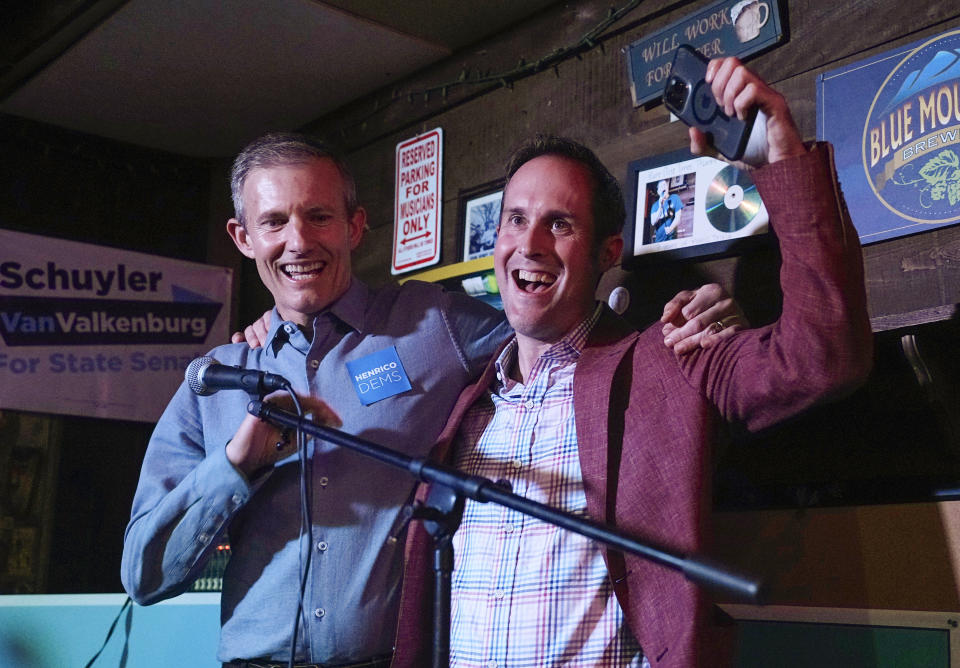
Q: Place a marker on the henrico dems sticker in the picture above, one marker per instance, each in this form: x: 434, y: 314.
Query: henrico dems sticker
x: 378, y: 376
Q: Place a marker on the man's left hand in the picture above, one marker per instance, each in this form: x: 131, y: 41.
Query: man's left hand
x: 701, y: 318
x: 254, y: 335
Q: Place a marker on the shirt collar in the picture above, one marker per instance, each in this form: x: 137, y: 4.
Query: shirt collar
x: 352, y: 305
x: 567, y: 349
x: 350, y: 309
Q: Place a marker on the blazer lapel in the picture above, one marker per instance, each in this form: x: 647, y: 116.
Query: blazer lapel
x: 599, y: 441
x: 467, y: 397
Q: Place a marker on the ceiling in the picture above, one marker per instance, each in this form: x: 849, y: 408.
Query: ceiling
x: 201, y: 77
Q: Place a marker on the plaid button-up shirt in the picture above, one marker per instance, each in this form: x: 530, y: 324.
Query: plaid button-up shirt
x: 527, y: 593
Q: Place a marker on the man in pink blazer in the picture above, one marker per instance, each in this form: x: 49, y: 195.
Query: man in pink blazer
x: 645, y: 417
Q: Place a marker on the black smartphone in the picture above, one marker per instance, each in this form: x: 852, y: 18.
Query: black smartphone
x: 690, y: 99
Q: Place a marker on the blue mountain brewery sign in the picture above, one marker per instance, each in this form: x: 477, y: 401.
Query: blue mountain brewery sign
x: 907, y: 137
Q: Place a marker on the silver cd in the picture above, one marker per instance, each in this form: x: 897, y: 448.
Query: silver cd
x: 732, y: 200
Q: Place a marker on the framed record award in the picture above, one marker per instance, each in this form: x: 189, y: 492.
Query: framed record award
x: 685, y: 206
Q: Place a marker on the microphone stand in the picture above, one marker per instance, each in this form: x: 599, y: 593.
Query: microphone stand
x: 444, y: 506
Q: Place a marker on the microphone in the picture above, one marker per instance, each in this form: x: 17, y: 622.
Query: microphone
x: 205, y: 375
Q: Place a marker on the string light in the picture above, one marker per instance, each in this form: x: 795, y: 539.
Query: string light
x: 589, y: 41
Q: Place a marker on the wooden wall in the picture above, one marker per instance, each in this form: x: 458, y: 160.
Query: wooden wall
x: 896, y: 556
x: 909, y: 280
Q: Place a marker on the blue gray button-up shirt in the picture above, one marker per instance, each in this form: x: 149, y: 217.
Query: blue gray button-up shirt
x: 189, y: 494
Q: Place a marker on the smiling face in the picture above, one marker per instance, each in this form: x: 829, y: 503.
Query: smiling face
x: 298, y: 231
x: 546, y: 259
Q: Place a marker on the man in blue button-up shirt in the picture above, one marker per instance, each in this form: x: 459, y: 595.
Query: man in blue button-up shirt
x: 210, y: 466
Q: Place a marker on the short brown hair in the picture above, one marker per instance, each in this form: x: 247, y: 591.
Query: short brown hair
x: 609, y: 211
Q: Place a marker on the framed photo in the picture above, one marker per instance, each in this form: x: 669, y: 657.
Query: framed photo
x: 683, y: 206
x: 479, y: 215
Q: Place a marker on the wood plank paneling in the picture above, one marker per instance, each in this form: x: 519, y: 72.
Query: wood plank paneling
x: 864, y: 556
x: 588, y: 98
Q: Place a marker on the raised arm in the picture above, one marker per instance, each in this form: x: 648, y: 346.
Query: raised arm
x: 822, y: 343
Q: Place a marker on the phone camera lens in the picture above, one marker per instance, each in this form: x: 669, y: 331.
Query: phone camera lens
x: 676, y: 93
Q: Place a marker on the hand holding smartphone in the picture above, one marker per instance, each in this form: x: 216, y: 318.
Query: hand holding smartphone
x: 689, y: 97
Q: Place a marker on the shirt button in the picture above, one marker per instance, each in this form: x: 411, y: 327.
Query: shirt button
x: 314, y: 364
x: 508, y: 528
x: 236, y: 498
x: 498, y: 594
x: 324, y: 481
x: 319, y: 613
x: 288, y: 328
x: 491, y: 663
x: 517, y: 464
x: 322, y: 546
x: 203, y: 538
x: 531, y: 404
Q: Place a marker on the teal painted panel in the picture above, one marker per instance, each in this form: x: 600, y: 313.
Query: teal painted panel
x: 55, y: 631
x: 809, y: 645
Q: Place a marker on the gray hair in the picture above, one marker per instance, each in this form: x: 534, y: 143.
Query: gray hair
x: 277, y: 149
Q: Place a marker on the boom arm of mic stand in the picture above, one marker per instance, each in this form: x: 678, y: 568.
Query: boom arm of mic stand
x: 695, y: 569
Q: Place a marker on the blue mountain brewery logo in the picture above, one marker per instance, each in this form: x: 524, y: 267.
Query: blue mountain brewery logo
x: 911, y: 139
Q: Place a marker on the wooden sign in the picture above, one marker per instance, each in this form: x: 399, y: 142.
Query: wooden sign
x: 726, y: 28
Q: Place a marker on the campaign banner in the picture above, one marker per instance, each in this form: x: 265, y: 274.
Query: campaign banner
x: 894, y: 121
x: 101, y: 332
x: 418, y: 188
